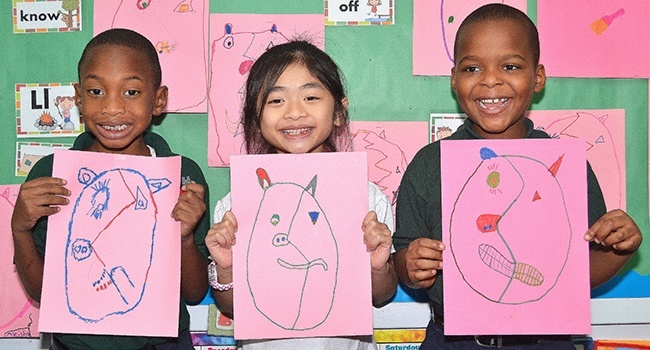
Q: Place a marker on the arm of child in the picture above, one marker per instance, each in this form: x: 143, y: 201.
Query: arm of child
x: 220, y: 239
x: 618, y: 237
x: 37, y: 198
x: 188, y: 210
x: 417, y: 265
x: 378, y: 240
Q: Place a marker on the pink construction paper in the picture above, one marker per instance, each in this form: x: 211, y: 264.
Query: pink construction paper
x: 300, y: 267
x: 179, y: 30
x: 390, y: 147
x: 604, y: 134
x: 514, y: 213
x: 236, y: 41
x: 435, y: 24
x: 18, y: 312
x: 112, y: 258
x: 608, y: 38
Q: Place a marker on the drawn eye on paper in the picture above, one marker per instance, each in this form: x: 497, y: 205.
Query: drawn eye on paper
x: 489, y: 241
x: 292, y: 243
x: 96, y: 267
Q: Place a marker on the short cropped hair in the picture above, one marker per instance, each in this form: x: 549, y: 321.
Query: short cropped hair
x: 127, y: 38
x: 500, y: 12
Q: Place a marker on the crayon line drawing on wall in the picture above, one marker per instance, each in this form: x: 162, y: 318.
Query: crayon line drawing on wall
x: 96, y: 267
x: 292, y: 243
x: 602, y: 151
x: 494, y: 256
x: 178, y: 31
x: 601, y: 24
x: 18, y: 312
x: 231, y: 57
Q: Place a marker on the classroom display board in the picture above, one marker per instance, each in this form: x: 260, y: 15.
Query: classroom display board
x: 377, y: 58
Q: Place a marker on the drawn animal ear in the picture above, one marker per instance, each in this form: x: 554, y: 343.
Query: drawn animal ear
x: 311, y: 188
x: 5, y: 194
x: 263, y: 178
x: 86, y: 176
x: 158, y: 184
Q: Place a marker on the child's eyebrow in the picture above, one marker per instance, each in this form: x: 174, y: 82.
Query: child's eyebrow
x: 97, y: 77
x: 301, y: 87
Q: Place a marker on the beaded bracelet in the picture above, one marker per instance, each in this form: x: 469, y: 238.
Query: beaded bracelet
x: 212, y: 277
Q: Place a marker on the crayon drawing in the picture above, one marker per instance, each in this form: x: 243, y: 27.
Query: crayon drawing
x: 435, y: 24
x: 236, y: 41
x: 610, y: 34
x: 514, y: 215
x: 178, y: 29
x: 103, y: 266
x: 302, y: 245
x: 18, y: 312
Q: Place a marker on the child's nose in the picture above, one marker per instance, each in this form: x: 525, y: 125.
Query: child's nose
x: 492, y: 77
x: 113, y: 105
x: 296, y: 110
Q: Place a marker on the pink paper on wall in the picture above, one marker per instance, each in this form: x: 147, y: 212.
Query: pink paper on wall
x: 236, y: 41
x: 514, y: 213
x: 390, y: 147
x: 300, y: 267
x: 178, y: 30
x: 103, y: 274
x: 435, y: 24
x: 18, y: 312
x: 604, y: 133
x: 608, y: 38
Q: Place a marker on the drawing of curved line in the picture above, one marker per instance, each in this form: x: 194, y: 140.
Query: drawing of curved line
x: 444, y: 34
x: 110, y: 276
x: 369, y: 147
x: 525, y: 273
x: 501, y: 236
x: 305, y: 266
x: 20, y: 314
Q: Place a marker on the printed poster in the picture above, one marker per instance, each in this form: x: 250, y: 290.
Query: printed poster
x: 46, y: 16
x: 28, y: 153
x: 359, y: 12
x: 300, y: 267
x: 514, y: 213
x: 47, y: 110
x: 102, y: 274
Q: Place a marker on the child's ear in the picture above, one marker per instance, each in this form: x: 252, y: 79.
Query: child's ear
x: 337, y: 116
x: 453, y: 79
x: 161, y: 100
x: 540, y: 78
x: 78, y: 101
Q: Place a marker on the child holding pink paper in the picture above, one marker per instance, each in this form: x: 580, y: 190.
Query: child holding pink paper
x: 295, y: 103
x: 118, y: 92
x: 495, y: 76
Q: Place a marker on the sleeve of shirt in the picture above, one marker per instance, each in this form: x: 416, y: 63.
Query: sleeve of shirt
x: 379, y: 202
x: 222, y: 206
x: 595, y: 200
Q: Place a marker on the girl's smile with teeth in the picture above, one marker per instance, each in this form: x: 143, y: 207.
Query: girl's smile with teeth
x: 296, y: 131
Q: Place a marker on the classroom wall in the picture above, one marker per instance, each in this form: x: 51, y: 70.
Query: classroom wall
x: 376, y: 61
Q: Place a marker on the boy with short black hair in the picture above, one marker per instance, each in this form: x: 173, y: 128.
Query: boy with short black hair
x: 119, y: 91
x: 495, y: 75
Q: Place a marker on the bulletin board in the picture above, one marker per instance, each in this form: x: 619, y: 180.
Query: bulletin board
x: 377, y: 64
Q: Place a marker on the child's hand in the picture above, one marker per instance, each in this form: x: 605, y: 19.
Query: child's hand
x: 423, y: 259
x: 378, y: 241
x: 220, y: 239
x: 615, y: 229
x: 189, y: 208
x: 37, y: 198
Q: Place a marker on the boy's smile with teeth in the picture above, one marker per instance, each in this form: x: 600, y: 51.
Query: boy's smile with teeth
x: 492, y: 103
x: 114, y: 127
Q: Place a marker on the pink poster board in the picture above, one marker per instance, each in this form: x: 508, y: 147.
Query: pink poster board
x: 514, y: 213
x: 604, y: 133
x: 611, y: 35
x: 236, y: 41
x: 300, y: 267
x: 18, y: 312
x: 390, y: 147
x: 103, y: 274
x: 179, y: 31
x: 435, y: 24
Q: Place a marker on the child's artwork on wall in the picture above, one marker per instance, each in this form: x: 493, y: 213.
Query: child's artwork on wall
x: 604, y: 133
x: 103, y: 274
x: 390, y: 147
x: 514, y: 214
x: 236, y: 41
x: 442, y: 125
x: 18, y: 312
x: 435, y: 24
x: 28, y: 153
x: 47, y: 110
x: 300, y: 266
x: 359, y: 13
x: 178, y: 30
x: 46, y: 16
x: 610, y: 34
